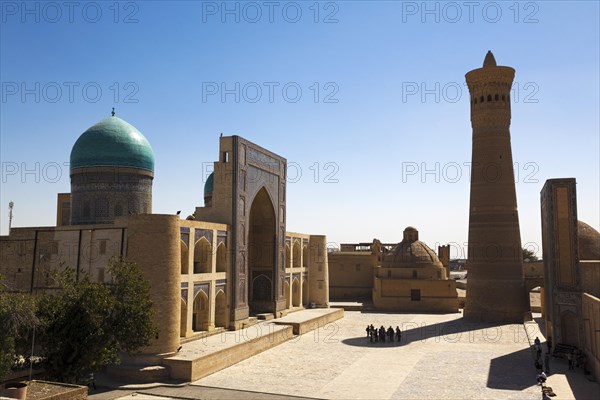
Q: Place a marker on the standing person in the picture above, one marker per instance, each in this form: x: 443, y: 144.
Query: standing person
x: 570, y: 359
x: 368, y: 331
x: 390, y: 333
x: 375, y: 335
x: 547, y: 363
x: 549, y: 345
x: 382, y: 334
x: 398, y: 333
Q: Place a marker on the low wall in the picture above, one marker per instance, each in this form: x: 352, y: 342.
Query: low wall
x: 319, y: 320
x: 191, y: 370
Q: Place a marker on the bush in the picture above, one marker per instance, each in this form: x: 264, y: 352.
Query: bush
x: 85, y: 324
x: 17, y: 321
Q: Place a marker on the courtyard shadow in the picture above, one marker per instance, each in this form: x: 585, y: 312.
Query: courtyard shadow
x: 512, y: 371
x: 450, y: 331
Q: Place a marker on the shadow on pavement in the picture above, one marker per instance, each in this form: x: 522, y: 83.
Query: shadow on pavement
x: 503, y: 374
x: 450, y: 331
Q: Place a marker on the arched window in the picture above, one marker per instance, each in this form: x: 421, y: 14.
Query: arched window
x: 305, y: 257
x: 221, y: 258
x: 118, y: 210
x: 202, y: 256
x: 184, y: 258
x: 297, y: 257
x: 489, y: 98
x: 496, y: 98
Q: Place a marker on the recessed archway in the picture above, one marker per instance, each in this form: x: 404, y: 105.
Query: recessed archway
x: 202, y: 258
x: 287, y: 294
x: 221, y: 310
x: 569, y: 329
x: 201, y: 312
x: 296, y: 293
x: 261, y: 253
x: 183, y: 323
x: 184, y: 258
x: 296, y: 255
x: 305, y: 257
x: 221, y: 258
x: 288, y: 256
x: 304, y: 292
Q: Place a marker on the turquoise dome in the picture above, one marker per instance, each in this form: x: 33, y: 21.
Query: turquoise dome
x: 112, y: 142
x: 209, y: 186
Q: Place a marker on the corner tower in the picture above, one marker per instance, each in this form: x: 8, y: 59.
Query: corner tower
x: 495, y: 287
x: 112, y: 168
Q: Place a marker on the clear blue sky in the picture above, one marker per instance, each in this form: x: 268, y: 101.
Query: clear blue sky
x: 370, y: 131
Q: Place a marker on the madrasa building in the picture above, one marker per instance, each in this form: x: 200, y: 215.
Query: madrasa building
x: 228, y: 264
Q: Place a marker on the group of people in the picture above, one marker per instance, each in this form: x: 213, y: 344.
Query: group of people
x: 376, y: 335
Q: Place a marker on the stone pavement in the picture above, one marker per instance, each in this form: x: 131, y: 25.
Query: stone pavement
x: 440, y: 356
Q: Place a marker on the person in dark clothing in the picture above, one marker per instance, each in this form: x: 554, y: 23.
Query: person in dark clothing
x: 398, y: 334
x: 382, y: 333
x: 368, y: 331
x: 390, y: 333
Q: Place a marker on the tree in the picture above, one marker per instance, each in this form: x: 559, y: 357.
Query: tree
x: 86, y: 324
x: 17, y: 321
x: 529, y: 256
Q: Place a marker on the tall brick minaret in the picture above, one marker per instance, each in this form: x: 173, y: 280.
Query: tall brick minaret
x: 495, y: 285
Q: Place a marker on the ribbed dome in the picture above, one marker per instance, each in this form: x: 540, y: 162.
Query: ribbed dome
x: 589, y: 242
x: 411, y: 253
x: 209, y: 186
x: 112, y: 142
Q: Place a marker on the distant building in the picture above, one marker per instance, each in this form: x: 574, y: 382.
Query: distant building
x: 407, y: 276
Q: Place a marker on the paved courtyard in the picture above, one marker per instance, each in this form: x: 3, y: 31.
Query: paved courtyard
x: 440, y: 356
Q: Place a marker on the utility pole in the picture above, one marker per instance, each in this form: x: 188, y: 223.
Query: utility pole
x: 11, y: 204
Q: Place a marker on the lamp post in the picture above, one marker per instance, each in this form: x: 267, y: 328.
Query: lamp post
x: 11, y: 204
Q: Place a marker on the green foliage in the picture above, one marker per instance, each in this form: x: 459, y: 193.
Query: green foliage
x: 133, y: 326
x: 86, y: 324
x: 529, y: 256
x: 17, y: 320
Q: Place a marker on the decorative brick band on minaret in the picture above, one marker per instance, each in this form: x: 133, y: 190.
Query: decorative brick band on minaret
x: 495, y: 287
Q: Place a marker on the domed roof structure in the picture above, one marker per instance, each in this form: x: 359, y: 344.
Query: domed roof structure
x: 209, y: 186
x: 589, y: 242
x: 112, y: 142
x: 411, y: 253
